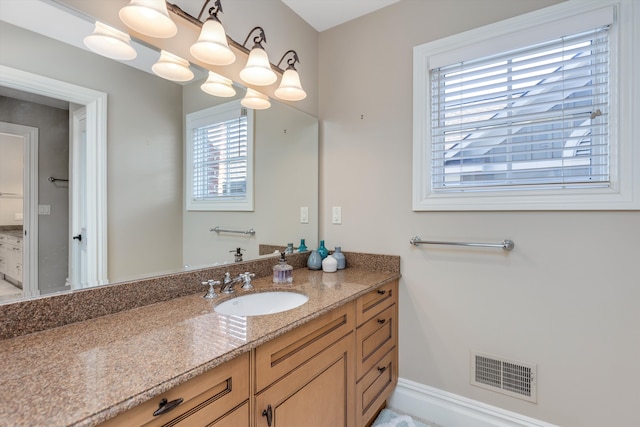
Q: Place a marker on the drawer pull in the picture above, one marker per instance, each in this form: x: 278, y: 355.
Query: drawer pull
x: 381, y: 369
x: 381, y: 321
x: 269, y: 414
x: 382, y: 291
x: 165, y: 406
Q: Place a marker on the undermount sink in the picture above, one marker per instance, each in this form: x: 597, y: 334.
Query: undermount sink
x: 261, y: 303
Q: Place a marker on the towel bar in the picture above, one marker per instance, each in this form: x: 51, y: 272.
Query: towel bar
x: 507, y: 245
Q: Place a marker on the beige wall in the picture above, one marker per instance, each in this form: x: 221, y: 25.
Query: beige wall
x: 566, y: 298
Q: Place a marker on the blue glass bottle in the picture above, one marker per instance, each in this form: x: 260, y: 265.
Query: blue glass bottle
x: 339, y: 256
x: 322, y: 250
x: 314, y: 262
x: 302, y: 247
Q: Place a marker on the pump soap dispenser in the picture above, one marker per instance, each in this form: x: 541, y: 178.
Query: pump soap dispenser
x: 283, y: 272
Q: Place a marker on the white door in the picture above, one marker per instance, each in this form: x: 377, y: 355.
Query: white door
x: 78, y: 272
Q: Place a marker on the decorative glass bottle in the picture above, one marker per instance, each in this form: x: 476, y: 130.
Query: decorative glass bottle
x: 302, y: 247
x: 314, y: 262
x: 339, y: 256
x: 322, y: 250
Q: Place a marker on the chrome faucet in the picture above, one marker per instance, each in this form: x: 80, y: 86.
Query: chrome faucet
x: 227, y: 286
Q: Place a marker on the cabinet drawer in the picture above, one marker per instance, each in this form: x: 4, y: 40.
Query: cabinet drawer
x: 276, y: 358
x: 375, y: 301
x: 375, y: 387
x: 374, y: 339
x: 206, y: 398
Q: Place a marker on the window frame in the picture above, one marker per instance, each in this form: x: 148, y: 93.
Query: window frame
x: 624, y: 190
x: 204, y: 118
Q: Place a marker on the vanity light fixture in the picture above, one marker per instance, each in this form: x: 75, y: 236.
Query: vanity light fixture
x: 149, y: 17
x: 290, y: 88
x: 109, y: 42
x: 255, y: 100
x: 218, y: 85
x: 258, y: 70
x: 212, y: 46
x: 172, y: 67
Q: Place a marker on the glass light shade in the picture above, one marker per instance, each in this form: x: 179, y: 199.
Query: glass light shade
x: 109, y: 42
x: 258, y: 70
x: 290, y: 88
x: 255, y: 100
x: 218, y: 85
x: 212, y: 46
x: 172, y: 67
x: 149, y: 17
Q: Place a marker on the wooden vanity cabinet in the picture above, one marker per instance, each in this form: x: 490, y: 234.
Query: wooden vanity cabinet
x: 219, y: 397
x: 336, y: 370
x: 376, y: 351
x: 306, y: 377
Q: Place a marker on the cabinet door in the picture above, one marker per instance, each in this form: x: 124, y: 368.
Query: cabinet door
x: 318, y: 393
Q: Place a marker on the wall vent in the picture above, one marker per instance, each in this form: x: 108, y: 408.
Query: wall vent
x: 510, y: 377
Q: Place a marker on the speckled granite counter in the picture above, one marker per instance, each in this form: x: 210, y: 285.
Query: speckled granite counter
x: 84, y: 373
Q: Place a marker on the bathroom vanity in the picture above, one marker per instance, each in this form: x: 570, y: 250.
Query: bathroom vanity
x: 330, y: 361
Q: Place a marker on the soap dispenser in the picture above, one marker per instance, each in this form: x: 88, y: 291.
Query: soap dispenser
x: 237, y: 254
x: 283, y: 272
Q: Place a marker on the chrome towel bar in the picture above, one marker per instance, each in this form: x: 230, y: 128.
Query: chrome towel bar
x: 250, y: 231
x: 507, y: 245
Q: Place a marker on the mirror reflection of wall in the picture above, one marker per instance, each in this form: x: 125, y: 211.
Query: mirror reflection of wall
x: 146, y: 218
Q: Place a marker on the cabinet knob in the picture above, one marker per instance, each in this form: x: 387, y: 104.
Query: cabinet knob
x: 381, y: 369
x: 165, y: 406
x: 381, y: 321
x: 382, y: 291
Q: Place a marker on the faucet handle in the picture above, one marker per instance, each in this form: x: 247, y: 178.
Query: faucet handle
x: 211, y: 293
x: 247, y: 280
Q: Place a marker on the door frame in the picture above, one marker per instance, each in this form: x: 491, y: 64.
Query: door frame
x: 96, y: 110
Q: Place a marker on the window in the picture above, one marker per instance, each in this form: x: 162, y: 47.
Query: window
x: 220, y: 159
x: 524, y: 116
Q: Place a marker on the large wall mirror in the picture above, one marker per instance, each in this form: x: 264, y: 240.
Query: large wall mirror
x: 148, y: 231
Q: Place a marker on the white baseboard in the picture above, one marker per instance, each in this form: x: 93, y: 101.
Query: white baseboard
x: 450, y: 410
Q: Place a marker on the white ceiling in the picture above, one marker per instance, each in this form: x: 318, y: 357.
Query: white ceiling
x: 325, y: 14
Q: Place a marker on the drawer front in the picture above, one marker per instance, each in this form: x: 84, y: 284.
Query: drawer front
x: 206, y: 398
x: 276, y: 358
x: 375, y: 301
x: 236, y: 418
x: 375, y: 387
x: 375, y: 338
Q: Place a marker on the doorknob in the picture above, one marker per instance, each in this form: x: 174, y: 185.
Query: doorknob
x: 78, y: 237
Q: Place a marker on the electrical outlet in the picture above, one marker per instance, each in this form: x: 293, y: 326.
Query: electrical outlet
x: 44, y: 209
x: 18, y: 216
x: 304, y: 215
x: 336, y: 215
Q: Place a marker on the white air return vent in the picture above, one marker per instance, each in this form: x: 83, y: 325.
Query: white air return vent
x: 510, y: 377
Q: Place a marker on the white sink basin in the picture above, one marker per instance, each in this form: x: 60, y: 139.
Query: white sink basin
x: 261, y: 303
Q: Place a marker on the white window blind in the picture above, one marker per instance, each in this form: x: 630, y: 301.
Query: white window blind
x: 219, y: 156
x: 531, y: 118
x: 220, y: 159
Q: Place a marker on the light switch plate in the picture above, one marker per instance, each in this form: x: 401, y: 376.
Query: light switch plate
x: 336, y: 215
x: 304, y: 215
x: 44, y: 209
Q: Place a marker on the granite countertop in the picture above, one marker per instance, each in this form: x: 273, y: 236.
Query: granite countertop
x: 84, y: 373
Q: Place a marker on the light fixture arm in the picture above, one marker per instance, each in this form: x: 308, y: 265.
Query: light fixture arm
x: 291, y: 62
x: 257, y: 40
x: 213, y: 10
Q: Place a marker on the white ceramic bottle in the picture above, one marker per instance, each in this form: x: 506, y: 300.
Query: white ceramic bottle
x: 329, y: 264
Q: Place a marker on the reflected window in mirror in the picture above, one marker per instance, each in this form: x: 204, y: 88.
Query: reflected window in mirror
x: 219, y: 157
